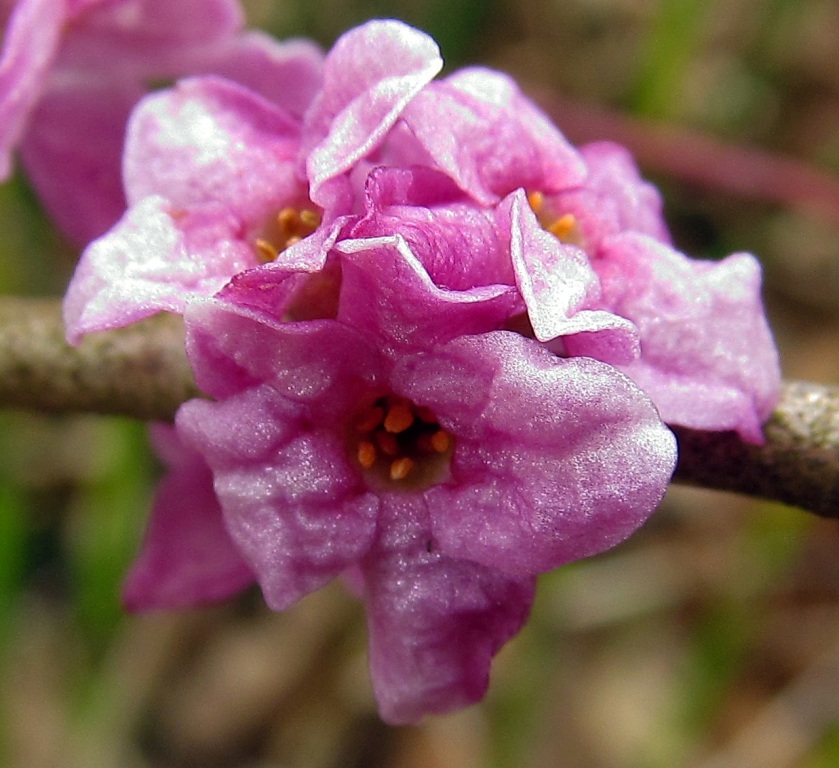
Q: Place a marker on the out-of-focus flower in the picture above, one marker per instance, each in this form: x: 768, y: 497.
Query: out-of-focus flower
x: 448, y: 477
x: 219, y: 178
x: 70, y: 72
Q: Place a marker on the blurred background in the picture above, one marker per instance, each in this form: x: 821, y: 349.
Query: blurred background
x: 709, y: 640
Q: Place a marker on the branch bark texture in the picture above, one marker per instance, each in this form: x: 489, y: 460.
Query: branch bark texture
x: 142, y: 371
x: 139, y: 371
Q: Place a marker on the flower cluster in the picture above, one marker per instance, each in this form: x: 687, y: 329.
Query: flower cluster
x: 441, y: 345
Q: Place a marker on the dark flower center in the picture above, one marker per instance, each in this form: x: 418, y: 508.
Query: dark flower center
x: 399, y: 442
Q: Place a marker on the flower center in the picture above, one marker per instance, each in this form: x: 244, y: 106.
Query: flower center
x: 290, y: 226
x: 563, y: 228
x: 401, y: 442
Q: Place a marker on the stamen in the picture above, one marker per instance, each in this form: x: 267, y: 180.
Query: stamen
x: 265, y: 251
x: 400, y: 468
x: 563, y: 226
x: 536, y: 200
x: 441, y: 440
x: 396, y: 438
x: 399, y: 418
x: 366, y: 454
x: 309, y: 219
x: 371, y: 419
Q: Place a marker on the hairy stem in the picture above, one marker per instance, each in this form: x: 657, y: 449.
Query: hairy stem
x: 142, y: 371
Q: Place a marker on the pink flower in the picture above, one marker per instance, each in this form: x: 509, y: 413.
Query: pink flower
x: 212, y: 168
x: 707, y: 357
x: 71, y: 70
x: 447, y: 478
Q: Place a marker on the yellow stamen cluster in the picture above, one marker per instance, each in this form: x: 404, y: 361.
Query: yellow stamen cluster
x: 563, y: 228
x: 290, y: 227
x: 396, y: 435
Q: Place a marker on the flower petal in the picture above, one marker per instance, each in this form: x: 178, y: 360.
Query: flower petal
x: 187, y: 557
x: 480, y: 130
x: 708, y: 360
x: 154, y: 260
x: 435, y: 622
x: 211, y: 141
x: 554, y: 460
x: 30, y: 44
x: 370, y: 74
x: 79, y: 180
x: 292, y: 503
x: 560, y: 289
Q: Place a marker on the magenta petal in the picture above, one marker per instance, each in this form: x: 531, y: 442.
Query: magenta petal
x: 559, y: 287
x: 708, y: 360
x: 614, y: 198
x: 79, y: 180
x: 288, y: 73
x: 292, y: 502
x: 435, y: 622
x: 211, y: 141
x: 321, y: 364
x: 187, y: 557
x: 554, y: 460
x: 480, y: 130
x: 370, y: 74
x: 386, y: 291
x: 31, y: 40
x: 152, y: 261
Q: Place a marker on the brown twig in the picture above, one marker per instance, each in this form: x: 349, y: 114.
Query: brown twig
x: 139, y: 371
x: 142, y: 371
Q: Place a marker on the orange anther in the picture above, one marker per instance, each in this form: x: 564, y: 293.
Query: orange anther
x: 536, y: 200
x: 366, y: 454
x: 563, y: 226
x: 309, y: 218
x: 399, y: 417
x: 265, y: 251
x: 441, y: 440
x: 400, y: 468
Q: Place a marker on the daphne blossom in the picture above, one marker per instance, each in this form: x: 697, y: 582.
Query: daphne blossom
x: 441, y: 344
x: 447, y: 479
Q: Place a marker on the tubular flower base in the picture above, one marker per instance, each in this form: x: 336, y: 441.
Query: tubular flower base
x: 441, y: 344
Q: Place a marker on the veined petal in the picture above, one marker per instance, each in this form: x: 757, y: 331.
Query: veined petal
x: 386, y: 291
x: 560, y: 289
x: 480, y: 130
x: 292, y: 502
x: 155, y: 259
